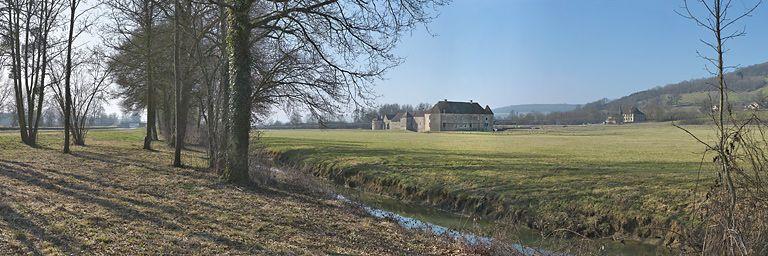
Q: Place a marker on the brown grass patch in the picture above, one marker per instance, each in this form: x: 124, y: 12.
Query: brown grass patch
x: 111, y: 197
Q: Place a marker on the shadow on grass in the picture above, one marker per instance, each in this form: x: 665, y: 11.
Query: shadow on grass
x: 84, y: 194
x: 240, y: 246
x: 98, y: 183
x: 23, y: 225
x: 87, y: 190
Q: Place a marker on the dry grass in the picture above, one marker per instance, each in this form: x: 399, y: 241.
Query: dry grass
x: 629, y: 181
x: 112, y: 198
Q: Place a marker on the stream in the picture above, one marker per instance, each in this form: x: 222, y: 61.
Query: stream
x: 441, y: 222
x: 473, y: 230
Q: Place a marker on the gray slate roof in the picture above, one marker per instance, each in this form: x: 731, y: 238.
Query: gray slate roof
x: 454, y: 107
x: 401, y: 115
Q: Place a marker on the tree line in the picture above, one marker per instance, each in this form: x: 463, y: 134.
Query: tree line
x: 211, y: 68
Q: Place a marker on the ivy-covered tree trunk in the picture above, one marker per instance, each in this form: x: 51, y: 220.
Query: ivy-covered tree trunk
x: 238, y: 45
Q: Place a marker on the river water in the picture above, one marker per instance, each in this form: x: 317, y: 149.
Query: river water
x: 440, y: 222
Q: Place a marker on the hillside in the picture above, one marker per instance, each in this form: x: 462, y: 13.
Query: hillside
x: 534, y: 108
x: 688, y: 100
x: 746, y: 84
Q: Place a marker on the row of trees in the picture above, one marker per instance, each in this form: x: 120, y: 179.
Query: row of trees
x: 52, y: 117
x: 231, y: 61
x: 212, y: 67
x: 39, y: 58
x: 360, y: 118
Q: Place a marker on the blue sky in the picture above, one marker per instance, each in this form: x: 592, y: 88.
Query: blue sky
x: 502, y: 52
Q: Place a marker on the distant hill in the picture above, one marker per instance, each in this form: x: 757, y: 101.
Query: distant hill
x: 687, y: 100
x: 690, y: 99
x: 534, y: 108
x: 746, y: 84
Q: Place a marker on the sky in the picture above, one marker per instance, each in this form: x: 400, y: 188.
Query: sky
x: 504, y: 52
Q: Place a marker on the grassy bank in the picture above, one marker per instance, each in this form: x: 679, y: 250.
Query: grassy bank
x: 113, y: 198
x: 596, y: 180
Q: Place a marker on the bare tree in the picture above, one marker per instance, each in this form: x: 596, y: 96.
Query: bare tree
x: 68, y: 73
x: 27, y: 34
x: 209, y: 58
x: 89, y: 87
x: 728, y: 225
x: 196, y: 65
x: 314, y: 53
x: 131, y: 18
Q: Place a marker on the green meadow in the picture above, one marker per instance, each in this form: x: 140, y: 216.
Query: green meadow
x: 633, y: 180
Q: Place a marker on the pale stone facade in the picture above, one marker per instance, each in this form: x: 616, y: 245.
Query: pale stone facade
x: 443, y: 116
x: 634, y: 116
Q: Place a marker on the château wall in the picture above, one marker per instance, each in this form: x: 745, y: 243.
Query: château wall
x: 461, y: 122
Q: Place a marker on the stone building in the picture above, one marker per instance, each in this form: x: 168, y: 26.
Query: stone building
x: 610, y: 120
x: 634, y: 116
x: 443, y: 116
x: 383, y: 122
x: 377, y: 124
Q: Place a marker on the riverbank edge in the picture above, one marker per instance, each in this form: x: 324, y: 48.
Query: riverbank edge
x: 491, y: 206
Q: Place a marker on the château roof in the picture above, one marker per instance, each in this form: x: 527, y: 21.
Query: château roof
x: 454, y: 107
x: 401, y: 115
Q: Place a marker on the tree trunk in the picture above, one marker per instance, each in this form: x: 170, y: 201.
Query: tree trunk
x: 78, y: 128
x: 221, y: 156
x: 155, y: 123
x: 151, y: 130
x: 182, y: 97
x: 67, y: 78
x: 16, y: 70
x: 238, y: 45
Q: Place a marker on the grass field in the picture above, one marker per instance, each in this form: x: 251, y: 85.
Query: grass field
x: 112, y: 198
x: 597, y: 180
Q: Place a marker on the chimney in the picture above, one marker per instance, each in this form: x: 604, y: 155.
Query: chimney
x: 471, y: 101
x: 445, y: 100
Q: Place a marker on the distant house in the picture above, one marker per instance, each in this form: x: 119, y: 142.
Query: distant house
x: 610, y: 120
x: 443, y: 116
x: 634, y: 116
x: 383, y: 123
x: 753, y: 106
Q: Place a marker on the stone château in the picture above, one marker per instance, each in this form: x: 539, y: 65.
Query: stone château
x: 443, y: 116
